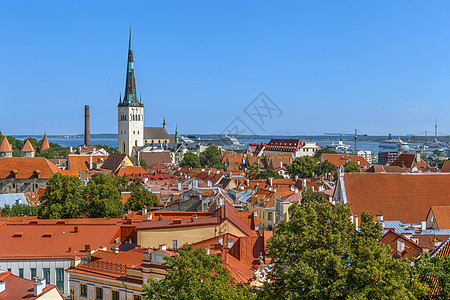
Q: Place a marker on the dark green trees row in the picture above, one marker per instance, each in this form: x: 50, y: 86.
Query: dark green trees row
x: 210, y: 158
x: 68, y: 197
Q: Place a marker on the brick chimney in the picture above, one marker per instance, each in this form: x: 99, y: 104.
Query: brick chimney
x: 87, y: 128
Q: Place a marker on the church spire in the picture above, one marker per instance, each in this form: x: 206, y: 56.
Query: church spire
x: 130, y: 98
x: 164, y: 122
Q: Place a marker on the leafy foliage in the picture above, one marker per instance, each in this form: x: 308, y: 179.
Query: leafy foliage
x: 319, y: 255
x: 107, y: 148
x: 302, y: 166
x: 308, y: 195
x: 352, y: 167
x: 62, y: 198
x: 18, y: 210
x: 193, y: 274
x: 190, y: 160
x: 267, y: 174
x: 318, y: 153
x: 140, y: 196
x: 103, y: 198
x: 210, y: 158
x: 67, y: 197
x: 324, y: 168
x: 435, y: 273
x: 252, y: 171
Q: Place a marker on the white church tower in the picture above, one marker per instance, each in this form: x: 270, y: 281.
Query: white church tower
x: 130, y: 112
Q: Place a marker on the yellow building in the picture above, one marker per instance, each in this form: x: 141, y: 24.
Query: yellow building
x: 116, y: 275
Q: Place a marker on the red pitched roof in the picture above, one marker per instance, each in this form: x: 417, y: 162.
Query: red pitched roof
x: 130, y: 170
x: 5, y: 146
x: 404, y: 197
x: 442, y: 216
x: 21, y: 288
x: 284, y: 145
x: 45, y: 145
x: 26, y: 167
x: 27, y: 147
x: 80, y: 163
x: 444, y: 169
x: 341, y: 159
x: 411, y: 249
x: 409, y: 161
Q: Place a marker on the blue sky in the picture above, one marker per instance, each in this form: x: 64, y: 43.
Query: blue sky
x: 330, y: 66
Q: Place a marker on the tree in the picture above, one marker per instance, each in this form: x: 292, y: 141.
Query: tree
x: 18, y: 210
x: 190, y: 160
x: 324, y: 168
x: 143, y: 163
x: 210, y: 158
x: 308, y: 195
x: 267, y: 173
x: 352, y: 167
x: 103, y: 195
x: 139, y: 198
x: 318, y: 153
x: 193, y: 274
x: 434, y: 272
x: 252, y: 171
x: 62, y: 198
x: 302, y: 166
x: 319, y: 255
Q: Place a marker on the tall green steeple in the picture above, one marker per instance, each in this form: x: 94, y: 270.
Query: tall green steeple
x: 130, y: 98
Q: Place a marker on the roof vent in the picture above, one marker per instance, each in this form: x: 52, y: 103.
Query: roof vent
x: 177, y: 221
x: 18, y: 234
x: 163, y: 247
x: 61, y: 222
x: 47, y: 235
x: 33, y: 222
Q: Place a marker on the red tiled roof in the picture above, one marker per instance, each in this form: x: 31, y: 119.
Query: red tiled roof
x: 442, y: 250
x: 21, y: 288
x: 130, y: 170
x: 283, y: 145
x: 26, y: 167
x: 411, y: 249
x: 27, y: 147
x: 45, y: 145
x: 5, y: 146
x: 405, y: 197
x: 64, y: 242
x: 444, y: 169
x: 341, y: 159
x: 442, y: 216
x: 409, y: 161
x: 80, y: 163
x: 153, y: 158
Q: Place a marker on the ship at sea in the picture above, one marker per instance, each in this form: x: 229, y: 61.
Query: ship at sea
x: 226, y: 142
x: 393, y: 145
x: 338, y: 147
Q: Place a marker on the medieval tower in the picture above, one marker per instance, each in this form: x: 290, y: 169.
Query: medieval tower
x: 130, y: 112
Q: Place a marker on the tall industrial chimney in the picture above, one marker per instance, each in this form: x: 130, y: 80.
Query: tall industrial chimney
x: 87, y: 130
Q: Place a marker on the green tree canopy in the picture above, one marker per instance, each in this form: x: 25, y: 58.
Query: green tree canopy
x: 302, y: 166
x: 103, y: 195
x: 319, y: 255
x: 190, y: 160
x: 139, y: 198
x: 267, y: 174
x: 192, y: 275
x: 435, y: 273
x: 210, y: 158
x: 18, y: 210
x: 324, y: 168
x: 352, y: 167
x: 62, y: 198
x: 318, y: 153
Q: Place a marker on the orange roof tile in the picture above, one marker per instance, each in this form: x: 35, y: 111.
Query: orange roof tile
x: 409, y: 161
x: 27, y: 147
x: 26, y: 167
x: 21, y: 288
x: 411, y: 249
x: 45, y: 145
x: 80, y: 163
x: 405, y: 197
x: 341, y: 159
x: 442, y: 216
x: 130, y: 170
x: 5, y: 146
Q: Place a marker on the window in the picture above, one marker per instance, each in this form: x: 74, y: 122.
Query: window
x: 269, y: 216
x: 21, y: 272
x: 83, y: 290
x: 60, y: 279
x: 115, y: 295
x: 9, y: 269
x: 136, y: 297
x: 46, y: 274
x: 33, y: 272
x: 175, y: 244
x: 98, y: 293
